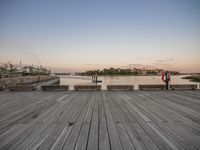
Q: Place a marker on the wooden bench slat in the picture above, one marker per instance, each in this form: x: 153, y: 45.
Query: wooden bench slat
x: 183, y: 86
x: 87, y: 87
x: 151, y: 86
x: 120, y: 87
x: 1, y: 87
x: 54, y: 87
x: 21, y: 87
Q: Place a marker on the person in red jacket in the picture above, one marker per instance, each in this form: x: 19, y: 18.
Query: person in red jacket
x: 166, y: 78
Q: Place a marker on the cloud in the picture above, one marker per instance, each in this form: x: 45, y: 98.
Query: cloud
x: 155, y: 65
x: 65, y: 70
x: 165, y: 60
x: 92, y: 65
x: 140, y: 66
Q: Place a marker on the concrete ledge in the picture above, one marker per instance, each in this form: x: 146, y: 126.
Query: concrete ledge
x: 120, y: 87
x: 183, y: 86
x: 48, y: 83
x: 1, y: 87
x: 56, y: 82
x: 151, y: 87
x: 25, y: 80
x: 21, y: 87
x: 54, y: 87
x: 87, y: 87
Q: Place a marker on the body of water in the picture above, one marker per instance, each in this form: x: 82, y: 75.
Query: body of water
x: 132, y: 80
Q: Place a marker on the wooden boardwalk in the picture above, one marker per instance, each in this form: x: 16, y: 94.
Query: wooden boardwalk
x: 100, y: 120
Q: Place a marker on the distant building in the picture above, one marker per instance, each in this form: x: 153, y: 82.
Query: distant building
x: 10, y: 70
x: 28, y: 70
x: 43, y: 71
x: 2, y: 71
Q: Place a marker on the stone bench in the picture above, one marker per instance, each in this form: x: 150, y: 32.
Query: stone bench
x: 87, y: 87
x: 54, y: 87
x: 151, y: 87
x: 120, y: 87
x: 183, y: 86
x: 21, y: 87
x: 1, y: 87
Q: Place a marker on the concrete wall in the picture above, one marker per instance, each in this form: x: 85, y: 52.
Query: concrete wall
x: 25, y: 80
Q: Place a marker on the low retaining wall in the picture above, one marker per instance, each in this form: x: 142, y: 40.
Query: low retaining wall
x: 87, y: 87
x: 49, y: 82
x: 151, y: 86
x: 120, y: 87
x: 25, y: 80
x: 54, y: 87
x: 183, y: 86
x: 56, y: 82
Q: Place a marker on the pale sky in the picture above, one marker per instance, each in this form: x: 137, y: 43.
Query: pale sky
x: 76, y: 35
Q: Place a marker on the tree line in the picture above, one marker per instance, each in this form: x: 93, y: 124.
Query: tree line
x: 130, y: 71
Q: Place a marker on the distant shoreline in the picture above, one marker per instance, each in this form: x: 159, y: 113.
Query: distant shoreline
x: 127, y: 75
x: 132, y: 75
x: 127, y: 72
x: 120, y: 75
x: 193, y: 78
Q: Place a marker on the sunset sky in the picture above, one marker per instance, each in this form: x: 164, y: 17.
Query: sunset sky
x: 77, y: 35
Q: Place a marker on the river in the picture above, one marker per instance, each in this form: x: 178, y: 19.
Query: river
x: 132, y: 80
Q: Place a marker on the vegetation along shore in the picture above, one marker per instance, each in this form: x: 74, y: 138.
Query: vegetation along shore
x: 193, y: 78
x: 130, y: 71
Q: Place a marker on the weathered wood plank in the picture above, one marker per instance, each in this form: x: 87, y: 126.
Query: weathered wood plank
x: 100, y: 120
x: 31, y: 128
x: 151, y: 86
x: 120, y: 87
x: 104, y: 143
x: 183, y: 86
x: 70, y: 117
x: 16, y: 118
x: 1, y: 88
x: 61, y: 109
x: 47, y: 127
x: 87, y: 87
x: 83, y: 137
x: 113, y: 135
x: 94, y: 128
x: 143, y: 121
x: 85, y: 129
x: 54, y: 87
x: 72, y: 139
x: 166, y: 121
x: 125, y: 139
x: 168, y: 133
x: 21, y: 87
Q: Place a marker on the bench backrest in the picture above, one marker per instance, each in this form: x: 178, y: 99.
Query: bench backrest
x: 151, y: 86
x: 54, y: 87
x: 120, y: 87
x: 183, y: 86
x: 21, y: 87
x: 1, y: 87
x: 87, y: 87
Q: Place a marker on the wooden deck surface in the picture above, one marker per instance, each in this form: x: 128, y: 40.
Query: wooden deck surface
x: 100, y: 120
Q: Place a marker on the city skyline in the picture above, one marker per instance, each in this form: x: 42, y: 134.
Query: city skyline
x: 72, y: 36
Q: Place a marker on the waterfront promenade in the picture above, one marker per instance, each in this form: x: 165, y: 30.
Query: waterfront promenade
x: 117, y: 120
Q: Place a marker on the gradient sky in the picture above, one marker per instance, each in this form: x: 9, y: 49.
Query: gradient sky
x: 72, y: 35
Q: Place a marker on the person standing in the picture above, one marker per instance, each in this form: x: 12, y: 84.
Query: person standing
x: 166, y: 78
